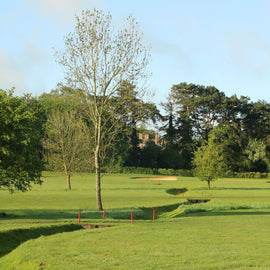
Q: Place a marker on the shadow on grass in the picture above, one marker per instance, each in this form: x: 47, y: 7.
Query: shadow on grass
x: 232, y: 188
x: 46, y: 214
x: 159, y: 210
x: 11, y: 239
x: 143, y: 213
x: 38, y: 214
x: 175, y: 191
x: 205, y: 213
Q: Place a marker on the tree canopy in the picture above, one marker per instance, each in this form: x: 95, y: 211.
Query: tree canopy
x: 209, y: 161
x: 65, y: 142
x: 21, y: 131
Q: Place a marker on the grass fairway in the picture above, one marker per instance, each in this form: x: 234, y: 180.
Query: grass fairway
x: 229, y: 232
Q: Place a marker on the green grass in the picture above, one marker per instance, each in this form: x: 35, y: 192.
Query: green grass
x: 188, y: 243
x: 17, y: 236
x: 229, y: 232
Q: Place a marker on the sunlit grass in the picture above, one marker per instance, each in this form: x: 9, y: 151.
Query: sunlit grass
x: 214, y: 242
x: 231, y: 231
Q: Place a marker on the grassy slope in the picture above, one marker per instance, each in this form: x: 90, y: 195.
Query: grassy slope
x: 230, y: 242
x: 218, y: 238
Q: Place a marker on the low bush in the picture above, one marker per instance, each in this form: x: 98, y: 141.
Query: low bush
x: 249, y: 175
x: 138, y: 170
x: 160, y: 171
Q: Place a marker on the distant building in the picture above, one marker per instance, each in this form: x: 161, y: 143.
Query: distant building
x: 144, y: 138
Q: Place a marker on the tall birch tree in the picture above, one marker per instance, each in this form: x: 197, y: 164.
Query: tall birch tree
x: 97, y: 58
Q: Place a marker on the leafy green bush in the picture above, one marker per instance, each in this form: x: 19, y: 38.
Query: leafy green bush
x: 166, y: 171
x: 249, y: 175
x: 230, y: 174
x: 185, y: 173
x: 138, y: 170
x: 160, y: 171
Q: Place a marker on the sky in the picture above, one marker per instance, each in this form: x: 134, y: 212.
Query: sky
x: 225, y: 44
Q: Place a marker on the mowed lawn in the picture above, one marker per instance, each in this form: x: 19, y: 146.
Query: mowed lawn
x: 232, y: 231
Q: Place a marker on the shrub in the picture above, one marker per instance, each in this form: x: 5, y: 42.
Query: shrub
x: 250, y: 175
x: 184, y: 173
x: 138, y: 170
x: 160, y: 171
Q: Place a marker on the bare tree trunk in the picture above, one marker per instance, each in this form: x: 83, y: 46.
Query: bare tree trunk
x: 98, y: 188
x: 208, y: 182
x: 67, y: 176
x: 68, y: 181
x: 97, y: 165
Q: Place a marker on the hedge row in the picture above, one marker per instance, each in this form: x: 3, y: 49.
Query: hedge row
x: 154, y: 171
x: 178, y: 172
x: 255, y: 175
x: 186, y: 173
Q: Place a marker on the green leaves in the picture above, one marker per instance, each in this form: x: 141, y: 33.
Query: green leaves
x: 209, y: 161
x: 203, y: 105
x: 64, y: 141
x: 21, y: 125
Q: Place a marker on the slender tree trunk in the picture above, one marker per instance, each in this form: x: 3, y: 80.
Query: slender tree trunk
x: 97, y: 165
x: 98, y: 188
x: 67, y: 176
x: 208, y: 182
x: 68, y: 181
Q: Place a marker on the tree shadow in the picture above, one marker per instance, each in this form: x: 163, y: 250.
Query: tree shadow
x: 45, y: 214
x: 159, y: 210
x: 175, y: 191
x: 206, y: 213
x: 58, y: 215
x: 234, y: 188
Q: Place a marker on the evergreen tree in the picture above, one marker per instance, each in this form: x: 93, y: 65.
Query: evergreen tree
x: 133, y: 158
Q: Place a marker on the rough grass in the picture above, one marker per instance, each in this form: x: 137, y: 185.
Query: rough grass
x: 229, y: 232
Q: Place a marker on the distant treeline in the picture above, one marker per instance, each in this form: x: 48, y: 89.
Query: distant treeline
x: 30, y: 138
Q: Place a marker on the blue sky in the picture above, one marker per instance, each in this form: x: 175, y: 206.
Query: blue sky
x: 221, y: 43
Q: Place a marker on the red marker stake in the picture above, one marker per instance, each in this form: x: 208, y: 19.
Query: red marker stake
x: 202, y: 193
x: 179, y: 192
x: 79, y: 217
x: 211, y: 195
x: 154, y: 214
x: 131, y: 218
x: 183, y: 195
x: 104, y: 211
